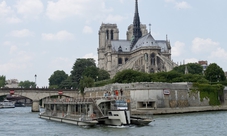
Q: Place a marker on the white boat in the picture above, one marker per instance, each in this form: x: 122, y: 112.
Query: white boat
x: 7, y: 104
x: 87, y: 111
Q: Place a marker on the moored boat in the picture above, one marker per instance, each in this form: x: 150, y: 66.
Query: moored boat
x: 7, y: 104
x: 87, y: 111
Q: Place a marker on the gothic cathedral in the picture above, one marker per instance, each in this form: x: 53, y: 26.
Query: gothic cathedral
x: 140, y: 51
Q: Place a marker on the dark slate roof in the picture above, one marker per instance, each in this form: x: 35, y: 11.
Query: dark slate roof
x: 148, y: 40
x: 124, y: 44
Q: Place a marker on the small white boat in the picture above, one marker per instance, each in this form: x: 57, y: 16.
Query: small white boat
x: 7, y: 104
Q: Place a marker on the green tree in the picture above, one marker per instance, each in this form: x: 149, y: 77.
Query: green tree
x: 57, y: 78
x: 214, y: 73
x: 2, y: 81
x: 103, y: 75
x: 91, y: 71
x: 78, y: 68
x: 129, y: 76
x: 193, y: 68
x: 27, y: 84
x: 86, y: 82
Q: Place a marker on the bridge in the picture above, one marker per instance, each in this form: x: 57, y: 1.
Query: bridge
x: 36, y: 94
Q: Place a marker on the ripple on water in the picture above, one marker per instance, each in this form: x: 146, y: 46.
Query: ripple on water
x: 20, y: 121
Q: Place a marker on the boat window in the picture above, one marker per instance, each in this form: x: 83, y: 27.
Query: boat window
x: 110, y: 113
x: 115, y: 114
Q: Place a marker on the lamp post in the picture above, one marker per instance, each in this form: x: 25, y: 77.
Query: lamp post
x: 35, y: 80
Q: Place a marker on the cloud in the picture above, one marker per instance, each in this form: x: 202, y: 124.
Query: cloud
x: 59, y: 36
x: 7, y: 14
x: 21, y: 33
x: 113, y: 19
x: 191, y: 60
x: 13, y: 49
x: 178, y: 49
x: 88, y: 9
x: 179, y: 5
x: 203, y: 45
x: 182, y: 5
x: 13, y: 20
x: 61, y: 63
x: 19, y: 60
x: 29, y: 8
x: 4, y: 9
x: 91, y: 55
x: 219, y: 53
x: 87, y: 30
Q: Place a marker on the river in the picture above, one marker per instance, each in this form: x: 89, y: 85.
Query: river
x: 20, y: 121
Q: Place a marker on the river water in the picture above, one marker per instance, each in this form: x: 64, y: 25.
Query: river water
x: 20, y: 121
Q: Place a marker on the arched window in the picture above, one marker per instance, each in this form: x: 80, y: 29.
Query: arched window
x: 152, y: 59
x: 146, y: 57
x: 126, y: 59
x: 107, y: 34
x: 111, y: 33
x: 119, y: 60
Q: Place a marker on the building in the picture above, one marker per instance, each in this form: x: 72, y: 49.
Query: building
x: 204, y: 64
x: 140, y: 51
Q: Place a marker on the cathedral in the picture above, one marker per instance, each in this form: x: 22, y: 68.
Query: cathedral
x: 140, y: 51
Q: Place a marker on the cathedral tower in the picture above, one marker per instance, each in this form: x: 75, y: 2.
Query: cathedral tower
x: 107, y: 33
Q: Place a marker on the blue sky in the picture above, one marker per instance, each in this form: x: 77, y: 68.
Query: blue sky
x: 42, y: 36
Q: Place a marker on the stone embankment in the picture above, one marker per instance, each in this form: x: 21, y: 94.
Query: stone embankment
x: 161, y: 111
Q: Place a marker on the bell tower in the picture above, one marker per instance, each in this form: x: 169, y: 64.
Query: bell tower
x: 107, y: 33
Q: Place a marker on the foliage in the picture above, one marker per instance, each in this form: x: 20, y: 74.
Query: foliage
x: 2, y: 81
x: 91, y: 71
x: 214, y: 73
x: 86, y: 82
x: 103, y: 82
x: 103, y: 75
x: 193, y: 68
x: 129, y: 75
x: 213, y: 92
x: 27, y: 84
x: 57, y: 78
x: 78, y: 68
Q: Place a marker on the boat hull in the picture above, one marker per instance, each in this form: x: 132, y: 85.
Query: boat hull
x: 70, y: 121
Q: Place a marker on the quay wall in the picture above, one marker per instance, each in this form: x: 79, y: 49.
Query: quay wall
x: 153, y: 96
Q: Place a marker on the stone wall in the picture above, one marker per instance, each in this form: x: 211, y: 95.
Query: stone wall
x: 152, y: 94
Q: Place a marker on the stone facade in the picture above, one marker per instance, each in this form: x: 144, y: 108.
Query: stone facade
x: 143, y: 53
x: 152, y: 95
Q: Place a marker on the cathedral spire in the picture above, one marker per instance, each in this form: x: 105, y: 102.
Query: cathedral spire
x: 136, y: 26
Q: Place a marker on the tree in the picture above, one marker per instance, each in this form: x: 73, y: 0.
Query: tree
x: 78, y: 68
x: 193, y: 68
x: 103, y: 75
x: 214, y: 73
x: 129, y: 76
x: 27, y: 84
x: 91, y: 71
x: 86, y: 82
x: 57, y: 78
x: 2, y: 81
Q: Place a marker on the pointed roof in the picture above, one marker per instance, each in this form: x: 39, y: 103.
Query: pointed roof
x: 146, y: 40
x: 136, y: 26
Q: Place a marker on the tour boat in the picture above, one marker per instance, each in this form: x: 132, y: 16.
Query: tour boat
x: 7, y: 104
x: 87, y: 111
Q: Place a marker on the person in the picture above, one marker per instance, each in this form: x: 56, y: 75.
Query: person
x: 121, y: 92
x: 116, y: 92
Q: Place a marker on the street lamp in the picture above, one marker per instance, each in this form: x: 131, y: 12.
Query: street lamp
x: 35, y: 80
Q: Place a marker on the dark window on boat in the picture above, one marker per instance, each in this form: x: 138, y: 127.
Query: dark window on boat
x: 110, y: 113
x: 115, y: 114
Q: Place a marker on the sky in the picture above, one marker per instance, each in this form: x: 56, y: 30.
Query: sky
x: 38, y: 37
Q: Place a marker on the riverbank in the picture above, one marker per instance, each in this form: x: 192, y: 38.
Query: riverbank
x: 160, y: 111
